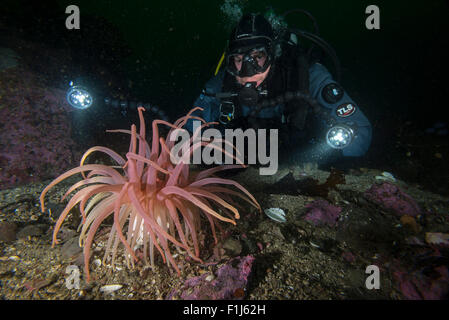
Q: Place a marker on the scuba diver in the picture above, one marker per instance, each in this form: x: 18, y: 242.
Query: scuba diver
x: 273, y: 82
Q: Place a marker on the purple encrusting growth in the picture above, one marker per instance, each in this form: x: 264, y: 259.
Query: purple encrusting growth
x: 35, y: 130
x: 392, y: 197
x: 322, y: 212
x: 230, y: 277
x: 419, y: 286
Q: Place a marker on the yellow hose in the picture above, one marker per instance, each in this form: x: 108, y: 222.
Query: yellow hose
x: 220, y: 63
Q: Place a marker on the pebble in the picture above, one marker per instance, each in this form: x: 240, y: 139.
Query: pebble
x: 110, y: 288
x: 210, y: 277
x: 97, y: 262
x: 232, y: 246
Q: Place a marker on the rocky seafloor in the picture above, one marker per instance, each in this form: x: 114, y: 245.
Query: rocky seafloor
x: 337, y: 224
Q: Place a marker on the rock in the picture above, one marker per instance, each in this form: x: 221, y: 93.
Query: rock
x: 392, y: 197
x: 322, y: 212
x: 36, y: 139
x: 7, y: 231
x: 410, y: 223
x: 30, y: 230
x: 228, y: 283
x: 232, y: 246
x: 364, y: 230
x: 419, y: 286
x: 437, y: 238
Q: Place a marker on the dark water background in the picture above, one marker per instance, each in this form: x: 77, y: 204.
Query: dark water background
x: 176, y: 46
x: 396, y: 69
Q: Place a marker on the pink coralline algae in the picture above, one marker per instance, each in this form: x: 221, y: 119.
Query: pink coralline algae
x: 321, y: 212
x: 229, y: 281
x: 418, y: 286
x: 392, y: 197
x: 35, y: 140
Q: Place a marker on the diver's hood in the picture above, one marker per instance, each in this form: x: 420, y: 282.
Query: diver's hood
x: 252, y: 31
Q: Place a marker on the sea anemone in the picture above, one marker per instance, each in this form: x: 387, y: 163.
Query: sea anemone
x: 157, y: 203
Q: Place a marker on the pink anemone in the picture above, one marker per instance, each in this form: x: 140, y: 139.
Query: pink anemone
x: 155, y: 203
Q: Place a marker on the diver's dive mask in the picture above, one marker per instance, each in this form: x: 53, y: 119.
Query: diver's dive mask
x: 248, y: 63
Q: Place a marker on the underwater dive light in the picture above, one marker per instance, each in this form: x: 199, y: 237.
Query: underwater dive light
x: 79, y: 97
x: 339, y: 136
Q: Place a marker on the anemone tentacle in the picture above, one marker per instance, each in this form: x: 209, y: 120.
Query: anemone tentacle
x: 154, y: 202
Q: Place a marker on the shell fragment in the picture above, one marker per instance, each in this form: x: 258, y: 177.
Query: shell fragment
x: 276, y: 214
x: 386, y: 176
x: 110, y: 288
x: 437, y: 238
